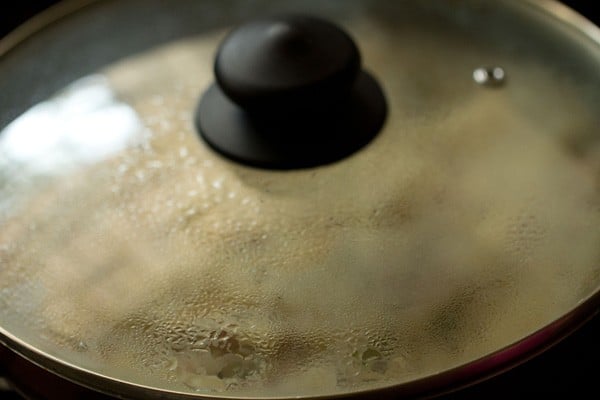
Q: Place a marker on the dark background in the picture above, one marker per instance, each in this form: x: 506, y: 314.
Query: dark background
x: 14, y: 12
x: 566, y: 371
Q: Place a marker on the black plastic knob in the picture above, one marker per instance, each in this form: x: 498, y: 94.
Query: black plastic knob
x: 290, y: 93
x: 287, y: 65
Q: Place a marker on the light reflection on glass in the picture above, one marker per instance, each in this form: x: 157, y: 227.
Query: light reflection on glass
x: 83, y: 124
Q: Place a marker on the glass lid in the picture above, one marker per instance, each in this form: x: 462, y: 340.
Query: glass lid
x: 133, y: 252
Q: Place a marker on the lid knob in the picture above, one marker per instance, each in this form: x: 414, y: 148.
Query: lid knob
x: 289, y: 65
x: 289, y: 93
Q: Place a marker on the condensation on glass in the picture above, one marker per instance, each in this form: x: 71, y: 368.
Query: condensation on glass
x: 130, y: 249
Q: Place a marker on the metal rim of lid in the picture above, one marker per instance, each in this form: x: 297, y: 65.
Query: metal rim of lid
x: 447, y: 381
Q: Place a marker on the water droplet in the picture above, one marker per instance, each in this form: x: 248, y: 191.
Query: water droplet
x: 370, y: 354
x: 122, y: 169
x: 156, y: 164
x: 217, y: 183
x: 171, y: 364
x: 82, y: 346
x: 494, y: 76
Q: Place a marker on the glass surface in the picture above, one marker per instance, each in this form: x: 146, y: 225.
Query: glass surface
x: 130, y: 249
